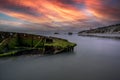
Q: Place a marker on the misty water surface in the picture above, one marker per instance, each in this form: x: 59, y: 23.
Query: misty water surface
x: 93, y: 59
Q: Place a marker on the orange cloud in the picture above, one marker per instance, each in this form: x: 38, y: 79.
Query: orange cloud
x: 104, y: 9
x: 61, y: 14
x: 48, y: 11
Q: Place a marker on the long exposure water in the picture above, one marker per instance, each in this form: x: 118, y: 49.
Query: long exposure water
x: 93, y: 59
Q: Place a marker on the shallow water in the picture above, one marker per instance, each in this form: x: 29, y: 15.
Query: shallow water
x: 93, y: 59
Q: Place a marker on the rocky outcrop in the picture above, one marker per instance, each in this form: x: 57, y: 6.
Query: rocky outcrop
x: 14, y: 44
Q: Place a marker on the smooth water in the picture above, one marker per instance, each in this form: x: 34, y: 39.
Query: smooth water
x: 92, y: 59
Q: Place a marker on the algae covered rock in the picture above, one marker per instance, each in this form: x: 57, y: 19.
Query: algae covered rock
x: 21, y: 43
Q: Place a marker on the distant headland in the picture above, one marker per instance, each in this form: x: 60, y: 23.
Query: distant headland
x: 111, y: 31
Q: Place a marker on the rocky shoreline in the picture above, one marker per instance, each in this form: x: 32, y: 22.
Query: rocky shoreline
x: 112, y: 36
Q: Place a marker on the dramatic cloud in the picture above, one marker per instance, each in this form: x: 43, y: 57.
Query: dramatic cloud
x: 105, y: 9
x: 61, y: 14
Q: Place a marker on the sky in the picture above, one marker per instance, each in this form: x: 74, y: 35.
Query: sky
x: 57, y: 15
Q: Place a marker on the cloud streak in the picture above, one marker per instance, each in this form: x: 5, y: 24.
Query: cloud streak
x: 62, y: 14
x: 107, y: 9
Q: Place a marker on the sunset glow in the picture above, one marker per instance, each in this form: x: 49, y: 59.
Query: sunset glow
x: 59, y: 14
